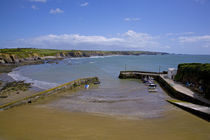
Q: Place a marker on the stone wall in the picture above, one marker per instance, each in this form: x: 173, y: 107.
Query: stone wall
x: 166, y: 86
x: 61, y: 88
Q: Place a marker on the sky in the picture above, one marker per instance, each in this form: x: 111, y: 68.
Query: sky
x: 173, y: 26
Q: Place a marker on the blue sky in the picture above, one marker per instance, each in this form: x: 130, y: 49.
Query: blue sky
x: 174, y: 26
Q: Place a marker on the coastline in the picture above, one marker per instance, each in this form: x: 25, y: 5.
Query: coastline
x: 13, y: 61
x: 12, y: 95
x: 29, y: 55
x: 34, y: 96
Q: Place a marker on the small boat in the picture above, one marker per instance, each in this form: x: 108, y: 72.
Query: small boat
x: 145, y: 80
x: 97, y: 83
x: 148, y: 82
x: 152, y: 87
x: 86, y: 86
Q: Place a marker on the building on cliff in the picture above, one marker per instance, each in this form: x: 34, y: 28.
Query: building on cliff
x: 172, y: 73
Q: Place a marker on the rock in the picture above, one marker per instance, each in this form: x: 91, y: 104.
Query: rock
x: 3, y: 96
x: 2, y: 61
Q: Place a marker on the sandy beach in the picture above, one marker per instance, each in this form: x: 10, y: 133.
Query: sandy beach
x: 39, y: 122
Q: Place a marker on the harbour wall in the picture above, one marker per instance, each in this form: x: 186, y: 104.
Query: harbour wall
x: 164, y: 84
x: 67, y: 86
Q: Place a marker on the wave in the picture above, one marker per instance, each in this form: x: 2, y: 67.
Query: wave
x: 103, y: 56
x: 36, y: 83
x: 96, y: 57
x: 91, y: 57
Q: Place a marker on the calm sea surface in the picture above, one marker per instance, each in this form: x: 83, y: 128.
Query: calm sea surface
x: 106, y: 68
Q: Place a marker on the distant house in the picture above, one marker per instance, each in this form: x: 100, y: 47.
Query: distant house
x: 171, y: 73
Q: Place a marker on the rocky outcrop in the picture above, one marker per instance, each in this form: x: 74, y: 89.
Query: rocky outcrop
x: 14, y: 59
x: 196, y: 76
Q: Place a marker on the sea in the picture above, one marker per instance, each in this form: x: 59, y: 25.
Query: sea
x: 115, y: 97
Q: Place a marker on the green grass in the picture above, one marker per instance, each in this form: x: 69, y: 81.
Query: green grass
x: 193, y: 69
x: 24, y: 52
x: 30, y: 52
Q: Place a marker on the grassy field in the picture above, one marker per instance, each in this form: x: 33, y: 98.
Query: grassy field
x: 27, y: 52
x: 24, y: 52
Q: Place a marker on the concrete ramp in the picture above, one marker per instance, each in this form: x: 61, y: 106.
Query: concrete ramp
x: 199, y: 110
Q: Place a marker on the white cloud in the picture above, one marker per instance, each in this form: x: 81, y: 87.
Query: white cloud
x: 131, y: 19
x: 34, y: 7
x: 190, y: 39
x: 198, y: 43
x: 44, y: 1
x: 167, y: 47
x: 178, y: 34
x: 56, y: 11
x: 128, y: 40
x: 84, y: 4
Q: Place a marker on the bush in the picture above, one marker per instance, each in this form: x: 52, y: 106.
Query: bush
x: 196, y: 73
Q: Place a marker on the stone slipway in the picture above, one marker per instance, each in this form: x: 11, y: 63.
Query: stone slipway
x: 197, y: 109
x: 181, y: 89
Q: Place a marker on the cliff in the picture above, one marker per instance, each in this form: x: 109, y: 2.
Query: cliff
x: 21, y: 55
x: 196, y: 76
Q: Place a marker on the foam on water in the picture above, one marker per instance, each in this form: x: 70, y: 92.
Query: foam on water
x: 93, y: 57
x: 103, y: 56
x: 16, y: 75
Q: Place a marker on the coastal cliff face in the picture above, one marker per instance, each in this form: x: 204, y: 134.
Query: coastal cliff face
x: 196, y: 76
x: 21, y: 55
x: 14, y: 58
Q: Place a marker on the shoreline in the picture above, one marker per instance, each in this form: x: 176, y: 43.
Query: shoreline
x: 13, y: 95
x: 35, y: 96
x: 29, y: 55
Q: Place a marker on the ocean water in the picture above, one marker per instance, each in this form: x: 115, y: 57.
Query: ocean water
x: 106, y: 68
x: 116, y: 97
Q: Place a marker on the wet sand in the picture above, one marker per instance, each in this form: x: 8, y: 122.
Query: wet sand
x: 41, y: 120
x: 34, y: 122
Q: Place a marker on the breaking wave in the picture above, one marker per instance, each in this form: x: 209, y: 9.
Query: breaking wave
x: 40, y: 84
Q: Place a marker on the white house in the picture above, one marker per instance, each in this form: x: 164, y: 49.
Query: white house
x: 171, y: 73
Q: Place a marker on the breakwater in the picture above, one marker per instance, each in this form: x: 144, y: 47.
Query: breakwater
x: 61, y: 88
x: 175, y: 90
x: 137, y: 74
x: 172, y: 89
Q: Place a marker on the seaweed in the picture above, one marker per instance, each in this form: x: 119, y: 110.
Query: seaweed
x: 14, y: 86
